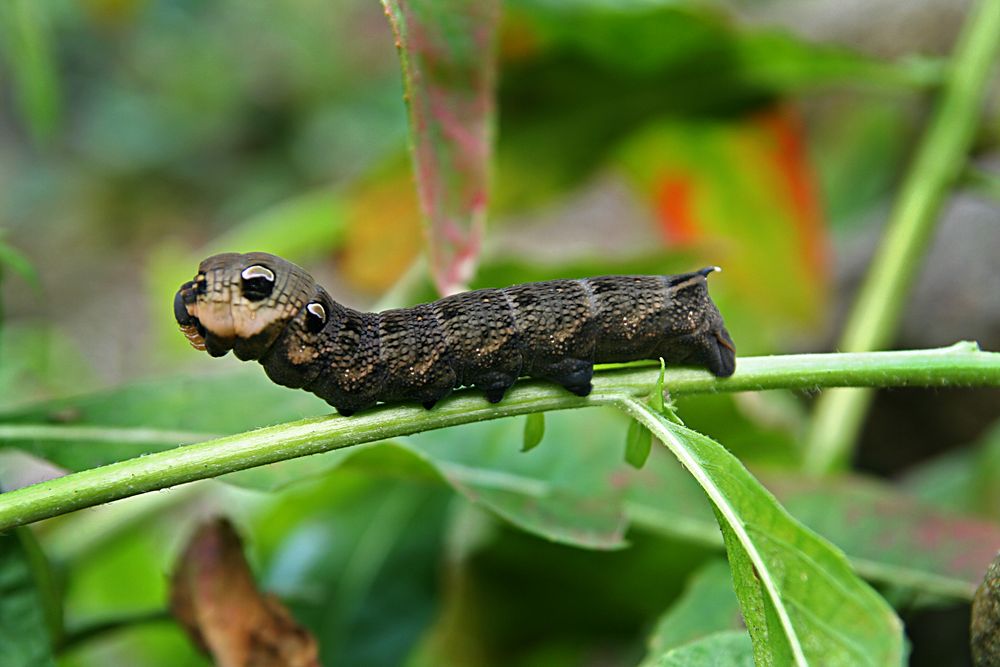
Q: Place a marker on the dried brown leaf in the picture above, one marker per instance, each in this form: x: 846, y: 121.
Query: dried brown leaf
x: 215, y: 599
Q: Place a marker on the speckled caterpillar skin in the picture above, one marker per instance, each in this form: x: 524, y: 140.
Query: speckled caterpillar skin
x: 265, y: 308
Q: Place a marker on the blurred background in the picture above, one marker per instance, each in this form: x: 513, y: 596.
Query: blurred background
x: 768, y: 137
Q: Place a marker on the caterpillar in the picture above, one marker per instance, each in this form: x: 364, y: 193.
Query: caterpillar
x: 265, y: 308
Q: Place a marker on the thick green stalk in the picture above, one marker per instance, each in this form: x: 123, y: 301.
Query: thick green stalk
x: 962, y: 364
x: 939, y: 161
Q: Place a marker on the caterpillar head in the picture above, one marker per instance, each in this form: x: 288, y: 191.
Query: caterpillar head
x: 241, y: 303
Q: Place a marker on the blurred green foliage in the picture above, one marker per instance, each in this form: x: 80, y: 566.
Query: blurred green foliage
x: 28, y: 613
x: 142, y: 135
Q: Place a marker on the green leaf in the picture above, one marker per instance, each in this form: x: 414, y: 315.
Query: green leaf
x: 367, y: 549
x: 562, y: 492
x: 24, y: 634
x: 707, y: 607
x: 801, y: 601
x: 303, y: 225
x: 38, y: 362
x: 11, y: 258
x: 982, y: 182
x: 883, y: 531
x: 776, y: 640
x: 888, y: 534
x: 858, y: 154
x: 637, y: 38
x: 986, y: 484
x: 638, y: 444
x: 607, y: 61
x: 534, y: 430
x: 447, y: 49
x: 945, y: 482
x: 656, y: 398
x: 722, y: 649
x: 25, y: 43
x: 569, y: 491
x: 967, y: 480
x: 658, y: 401
x: 86, y: 431
x: 781, y: 61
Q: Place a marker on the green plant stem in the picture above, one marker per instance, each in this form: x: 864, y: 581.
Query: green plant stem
x: 939, y: 161
x: 961, y: 364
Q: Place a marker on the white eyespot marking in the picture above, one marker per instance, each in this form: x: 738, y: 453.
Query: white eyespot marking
x: 258, y: 271
x: 315, y: 317
x: 317, y: 310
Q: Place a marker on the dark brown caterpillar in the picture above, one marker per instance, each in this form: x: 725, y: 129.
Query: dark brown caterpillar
x: 265, y: 308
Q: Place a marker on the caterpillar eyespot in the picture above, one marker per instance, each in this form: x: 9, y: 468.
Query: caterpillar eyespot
x: 267, y: 309
x: 256, y: 272
x: 257, y: 282
x: 315, y: 317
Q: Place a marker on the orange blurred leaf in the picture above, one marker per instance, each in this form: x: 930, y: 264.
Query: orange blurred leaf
x: 742, y: 193
x: 383, y: 230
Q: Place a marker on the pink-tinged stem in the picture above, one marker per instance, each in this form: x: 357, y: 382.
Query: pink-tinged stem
x: 448, y: 53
